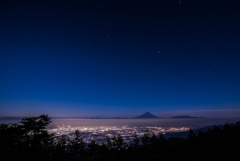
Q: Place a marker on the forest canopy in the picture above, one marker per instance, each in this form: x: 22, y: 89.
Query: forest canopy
x: 29, y: 140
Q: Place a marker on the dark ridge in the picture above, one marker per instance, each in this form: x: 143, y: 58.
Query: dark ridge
x: 11, y: 118
x: 185, y: 117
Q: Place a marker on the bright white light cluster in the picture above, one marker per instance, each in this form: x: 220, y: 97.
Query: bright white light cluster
x: 99, y: 134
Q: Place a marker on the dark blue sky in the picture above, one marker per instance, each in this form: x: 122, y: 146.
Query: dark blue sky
x: 119, y: 58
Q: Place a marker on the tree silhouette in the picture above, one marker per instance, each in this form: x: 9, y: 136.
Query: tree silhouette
x: 93, y: 150
x: 136, y: 141
x: 191, y: 135
x: 146, y: 138
x: 77, y: 147
x: 120, y: 142
x: 28, y: 138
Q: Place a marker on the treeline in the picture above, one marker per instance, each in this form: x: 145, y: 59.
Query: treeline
x: 30, y: 141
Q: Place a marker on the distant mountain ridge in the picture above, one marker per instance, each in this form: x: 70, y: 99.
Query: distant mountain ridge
x: 12, y: 118
x: 185, y: 117
x: 147, y: 115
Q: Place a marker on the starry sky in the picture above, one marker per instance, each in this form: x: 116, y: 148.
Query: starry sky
x: 119, y: 58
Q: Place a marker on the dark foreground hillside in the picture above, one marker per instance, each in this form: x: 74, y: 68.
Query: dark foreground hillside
x: 30, y: 141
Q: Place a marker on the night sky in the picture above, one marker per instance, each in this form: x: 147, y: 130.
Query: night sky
x: 119, y: 58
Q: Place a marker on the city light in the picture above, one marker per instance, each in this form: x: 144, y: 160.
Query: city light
x: 99, y: 134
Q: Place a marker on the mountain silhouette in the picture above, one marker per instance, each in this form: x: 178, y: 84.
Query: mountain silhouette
x: 185, y: 117
x: 147, y: 115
